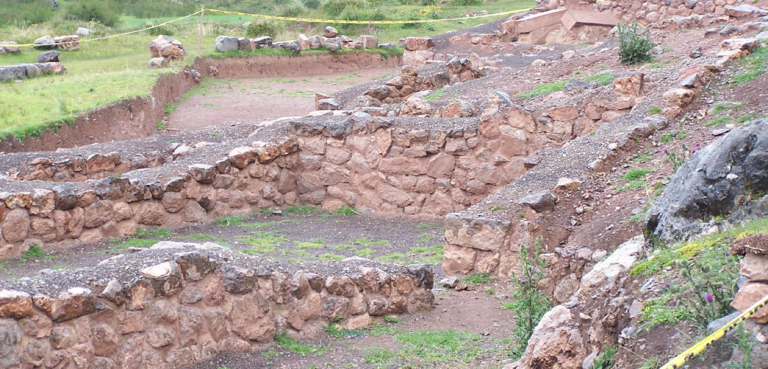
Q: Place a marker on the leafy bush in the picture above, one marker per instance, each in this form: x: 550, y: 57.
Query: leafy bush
x: 335, y: 7
x: 635, y: 44
x: 312, y: 4
x: 162, y: 30
x: 24, y: 11
x: 106, y: 12
x: 263, y: 28
x: 529, y: 304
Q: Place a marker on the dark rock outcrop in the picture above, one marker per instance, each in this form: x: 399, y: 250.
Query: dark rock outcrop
x: 729, y: 177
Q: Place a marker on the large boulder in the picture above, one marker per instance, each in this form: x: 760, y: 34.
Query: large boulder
x: 720, y: 179
x: 262, y: 42
x: 9, y: 47
x: 292, y: 46
x: 330, y: 32
x: 45, y: 43
x: 48, y: 57
x: 166, y: 47
x: 71, y: 42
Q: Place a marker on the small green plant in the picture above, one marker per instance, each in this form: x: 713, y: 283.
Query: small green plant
x: 678, y: 160
x: 264, y: 28
x: 366, y: 242
x: 34, y: 251
x: 605, y: 360
x: 153, y: 232
x: 542, y: 89
x: 231, y: 220
x: 745, y: 344
x: 477, y: 278
x: 262, y: 242
x: 299, y: 210
x: 289, y: 343
x: 392, y: 319
x: 754, y: 66
x: 634, y: 44
x: 653, y: 362
x: 636, y: 174
x: 346, y: 210
x: 529, y: 304
x: 329, y: 257
x: 366, y: 252
x: 496, y: 208
x: 654, y: 110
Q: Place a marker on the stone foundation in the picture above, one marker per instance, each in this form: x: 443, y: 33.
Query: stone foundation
x: 177, y: 303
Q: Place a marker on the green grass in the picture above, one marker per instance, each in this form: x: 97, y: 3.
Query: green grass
x: 231, y: 220
x: 721, y: 108
x: 329, y: 257
x: 601, y: 78
x: 153, y: 232
x: 754, y: 66
x: 425, y: 226
x: 477, y: 278
x: 34, y: 251
x: 654, y: 110
x: 259, y: 225
x: 205, y: 237
x: 314, y: 244
x: 261, y: 242
x: 61, y: 267
x: 366, y: 252
x: 366, y: 242
x: 345, y: 210
x: 719, y: 122
x: 542, y: 89
x: 299, y: 210
x: 642, y: 158
x: 636, y: 174
x: 289, y: 343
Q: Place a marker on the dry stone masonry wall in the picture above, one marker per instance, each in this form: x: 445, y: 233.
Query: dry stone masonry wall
x: 179, y: 303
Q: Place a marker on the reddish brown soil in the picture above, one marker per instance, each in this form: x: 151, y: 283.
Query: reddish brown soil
x: 234, y: 101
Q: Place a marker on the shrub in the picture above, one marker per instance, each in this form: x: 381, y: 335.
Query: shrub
x: 529, y: 304
x: 312, y: 4
x: 24, y: 11
x: 106, y: 12
x: 635, y: 44
x: 162, y: 30
x: 263, y: 28
x: 336, y: 7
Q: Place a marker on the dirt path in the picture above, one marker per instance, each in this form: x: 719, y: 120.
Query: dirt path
x: 224, y: 102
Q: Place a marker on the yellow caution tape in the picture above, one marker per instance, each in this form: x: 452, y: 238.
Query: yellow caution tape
x: 696, y: 349
x: 119, y: 34
x: 339, y: 21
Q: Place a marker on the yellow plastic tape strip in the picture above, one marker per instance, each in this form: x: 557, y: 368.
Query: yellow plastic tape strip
x: 338, y: 21
x: 696, y: 349
x: 119, y: 34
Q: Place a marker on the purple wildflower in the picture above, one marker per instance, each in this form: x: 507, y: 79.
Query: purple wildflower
x: 693, y: 151
x: 709, y: 297
x: 697, y: 144
x: 727, y: 254
x: 666, y: 285
x: 665, y: 151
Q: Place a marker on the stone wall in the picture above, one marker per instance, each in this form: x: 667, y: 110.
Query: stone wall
x: 179, y: 303
x: 407, y: 166
x: 655, y: 10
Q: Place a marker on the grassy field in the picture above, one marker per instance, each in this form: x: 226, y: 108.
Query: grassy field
x: 108, y: 71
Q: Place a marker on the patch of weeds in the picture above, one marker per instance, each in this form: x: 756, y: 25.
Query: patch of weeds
x: 317, y: 243
x: 490, y: 291
x: 754, y: 66
x: 366, y: 252
x: 366, y: 242
x: 654, y: 110
x: 477, y: 278
x: 641, y: 215
x: 428, y: 255
x: 346, y: 210
x: 745, y: 343
x: 425, y: 237
x: 378, y: 329
x: 605, y: 360
x: 60, y: 267
x: 343, y: 247
x: 601, y: 78
x: 634, y: 44
x: 335, y: 331
x: 495, y: 208
x: 528, y: 303
x: 641, y: 158
x: 269, y: 353
x: 429, y: 348
x: 746, y: 118
x: 392, y: 319
x: 719, y: 122
x: 231, y: 220
x: 394, y: 257
x: 633, y: 185
x: 299, y: 210
x: 265, y: 211
x: 205, y: 237
x: 329, y: 257
x: 268, y: 224
x: 636, y: 174
x: 425, y: 226
x: 379, y: 356
x: 435, y: 95
x: 653, y: 362
x: 262, y: 242
x: 289, y: 343
x: 721, y: 108
x: 34, y: 251
x: 666, y: 138
x: 153, y: 232
x: 542, y: 89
